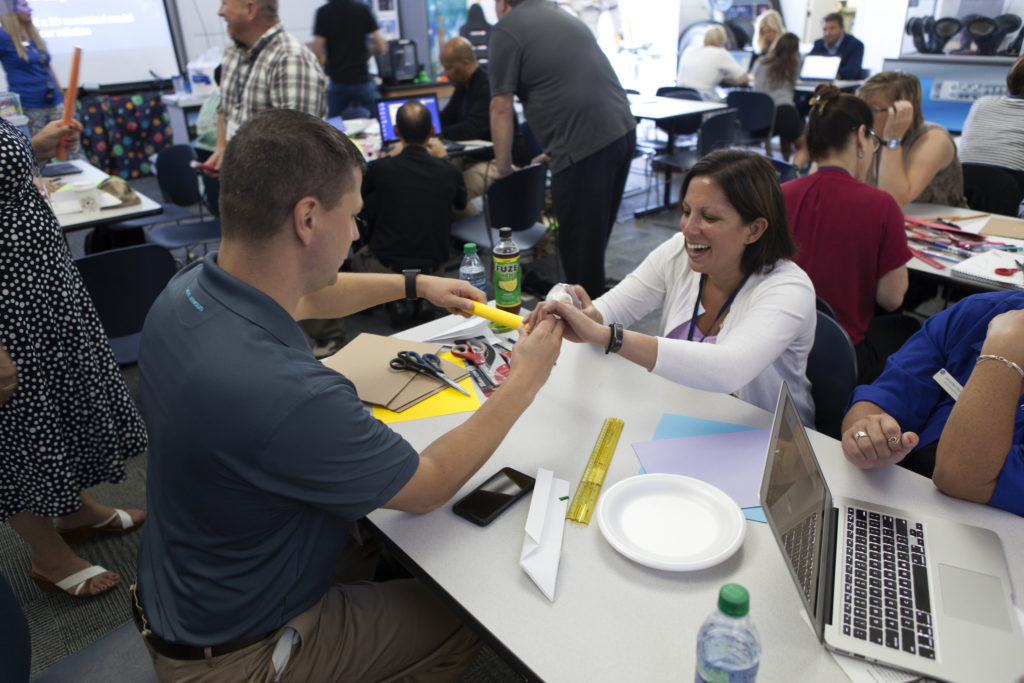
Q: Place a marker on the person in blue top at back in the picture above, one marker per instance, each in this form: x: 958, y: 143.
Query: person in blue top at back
x: 27, y: 65
x: 963, y: 427
x: 836, y: 41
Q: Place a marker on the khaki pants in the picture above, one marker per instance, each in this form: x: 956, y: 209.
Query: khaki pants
x: 478, y: 176
x: 393, y: 631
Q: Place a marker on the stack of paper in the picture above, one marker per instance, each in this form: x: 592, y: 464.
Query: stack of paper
x: 365, y: 362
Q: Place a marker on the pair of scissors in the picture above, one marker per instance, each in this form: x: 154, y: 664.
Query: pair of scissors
x: 475, y: 354
x: 428, y: 364
x: 1010, y: 271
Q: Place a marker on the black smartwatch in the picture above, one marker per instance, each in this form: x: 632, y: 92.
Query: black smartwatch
x: 615, y: 341
x: 410, y: 283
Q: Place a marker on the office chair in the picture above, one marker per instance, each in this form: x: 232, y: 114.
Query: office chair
x: 514, y: 201
x: 993, y: 188
x: 123, y: 284
x: 832, y: 370
x: 718, y: 130
x: 756, y: 114
x: 179, y: 184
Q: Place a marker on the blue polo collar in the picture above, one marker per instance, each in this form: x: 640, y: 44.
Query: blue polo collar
x: 249, y: 303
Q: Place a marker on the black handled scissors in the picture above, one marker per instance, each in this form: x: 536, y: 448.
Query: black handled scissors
x: 428, y: 364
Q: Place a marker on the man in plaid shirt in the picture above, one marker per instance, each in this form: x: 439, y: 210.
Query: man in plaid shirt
x: 266, y: 68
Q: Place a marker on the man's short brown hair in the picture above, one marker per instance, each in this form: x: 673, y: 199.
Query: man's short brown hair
x: 278, y: 157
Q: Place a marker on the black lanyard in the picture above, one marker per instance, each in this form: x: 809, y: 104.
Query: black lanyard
x: 249, y: 60
x: 721, y: 311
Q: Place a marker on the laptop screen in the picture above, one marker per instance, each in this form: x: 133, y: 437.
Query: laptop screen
x: 742, y: 58
x: 387, y: 110
x: 794, y: 497
x: 820, y: 68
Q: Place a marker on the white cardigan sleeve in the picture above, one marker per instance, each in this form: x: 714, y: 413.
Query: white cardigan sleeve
x: 768, y: 315
x: 645, y: 288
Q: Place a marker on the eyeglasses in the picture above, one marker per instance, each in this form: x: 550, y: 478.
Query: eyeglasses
x: 876, y: 140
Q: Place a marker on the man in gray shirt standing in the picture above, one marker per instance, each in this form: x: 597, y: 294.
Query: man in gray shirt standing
x: 578, y: 111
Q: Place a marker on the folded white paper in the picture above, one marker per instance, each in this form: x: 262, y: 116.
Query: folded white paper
x: 542, y: 545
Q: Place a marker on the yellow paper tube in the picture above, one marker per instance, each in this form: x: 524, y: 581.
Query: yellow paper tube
x: 496, y: 315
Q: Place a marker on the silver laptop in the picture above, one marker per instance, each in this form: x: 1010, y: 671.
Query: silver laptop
x: 819, y: 68
x: 918, y: 593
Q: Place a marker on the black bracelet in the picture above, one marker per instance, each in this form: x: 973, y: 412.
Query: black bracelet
x: 410, y: 283
x: 615, y: 341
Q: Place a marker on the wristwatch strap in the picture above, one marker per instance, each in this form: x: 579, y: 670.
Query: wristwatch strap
x: 410, y: 283
x: 615, y: 342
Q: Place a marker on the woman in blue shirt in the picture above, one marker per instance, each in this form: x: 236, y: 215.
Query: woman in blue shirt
x: 26, y: 63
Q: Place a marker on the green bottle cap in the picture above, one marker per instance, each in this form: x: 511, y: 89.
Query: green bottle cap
x: 469, y: 248
x: 734, y: 600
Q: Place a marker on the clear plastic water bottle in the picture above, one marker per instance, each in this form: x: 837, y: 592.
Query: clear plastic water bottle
x: 472, y: 270
x: 728, y: 647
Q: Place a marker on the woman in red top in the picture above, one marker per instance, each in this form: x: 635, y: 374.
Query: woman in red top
x: 850, y: 236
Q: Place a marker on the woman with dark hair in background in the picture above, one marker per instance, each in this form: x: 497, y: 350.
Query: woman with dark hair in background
x: 918, y: 160
x: 776, y: 74
x: 67, y: 421
x: 26, y: 63
x: 737, y: 315
x: 849, y: 235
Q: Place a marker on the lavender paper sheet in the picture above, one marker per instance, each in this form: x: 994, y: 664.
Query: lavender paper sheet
x: 733, y: 461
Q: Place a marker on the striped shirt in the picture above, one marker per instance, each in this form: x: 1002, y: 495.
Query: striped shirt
x: 994, y: 133
x: 278, y: 72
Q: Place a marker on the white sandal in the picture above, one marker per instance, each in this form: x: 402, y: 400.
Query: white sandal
x: 76, y: 581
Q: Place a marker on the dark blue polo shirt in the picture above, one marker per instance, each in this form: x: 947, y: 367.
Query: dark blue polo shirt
x: 259, y: 458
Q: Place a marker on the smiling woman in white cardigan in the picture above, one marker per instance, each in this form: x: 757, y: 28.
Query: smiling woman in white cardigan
x: 737, y: 315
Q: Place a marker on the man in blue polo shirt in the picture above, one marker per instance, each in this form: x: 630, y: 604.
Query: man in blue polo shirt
x: 261, y: 458
x: 975, y: 435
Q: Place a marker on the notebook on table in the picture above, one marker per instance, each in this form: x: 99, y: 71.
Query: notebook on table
x: 881, y: 583
x: 982, y: 268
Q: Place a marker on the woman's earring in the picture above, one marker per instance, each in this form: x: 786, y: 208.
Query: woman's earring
x: 860, y: 154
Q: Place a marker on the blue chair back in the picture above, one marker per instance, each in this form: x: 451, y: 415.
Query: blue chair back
x: 177, y: 179
x: 832, y: 370
x: 717, y: 131
x: 681, y: 125
x: 756, y: 112
x: 993, y: 188
x: 123, y: 284
x: 516, y: 200
x: 783, y: 170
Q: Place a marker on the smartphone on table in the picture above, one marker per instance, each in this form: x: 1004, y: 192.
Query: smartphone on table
x: 483, y: 504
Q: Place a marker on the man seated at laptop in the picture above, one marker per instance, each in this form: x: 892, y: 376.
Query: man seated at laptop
x: 975, y: 443
x: 467, y: 116
x: 261, y: 457
x: 409, y: 200
x: 836, y: 41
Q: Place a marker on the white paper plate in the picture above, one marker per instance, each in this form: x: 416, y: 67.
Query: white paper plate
x: 668, y: 521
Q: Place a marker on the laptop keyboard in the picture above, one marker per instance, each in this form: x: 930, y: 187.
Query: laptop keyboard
x: 799, y: 544
x: 885, y: 596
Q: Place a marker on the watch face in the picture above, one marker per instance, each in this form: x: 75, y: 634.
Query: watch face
x: 893, y: 143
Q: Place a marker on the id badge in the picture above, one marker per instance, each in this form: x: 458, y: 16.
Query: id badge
x: 948, y: 383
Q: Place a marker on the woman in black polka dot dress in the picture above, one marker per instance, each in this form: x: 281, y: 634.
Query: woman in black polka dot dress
x: 68, y: 421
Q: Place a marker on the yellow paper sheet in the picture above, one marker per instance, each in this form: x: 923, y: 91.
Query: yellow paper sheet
x: 447, y: 402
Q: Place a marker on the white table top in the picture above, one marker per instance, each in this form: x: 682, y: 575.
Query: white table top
x: 658, y: 108
x: 71, y: 218
x: 613, y: 619
x: 973, y: 226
